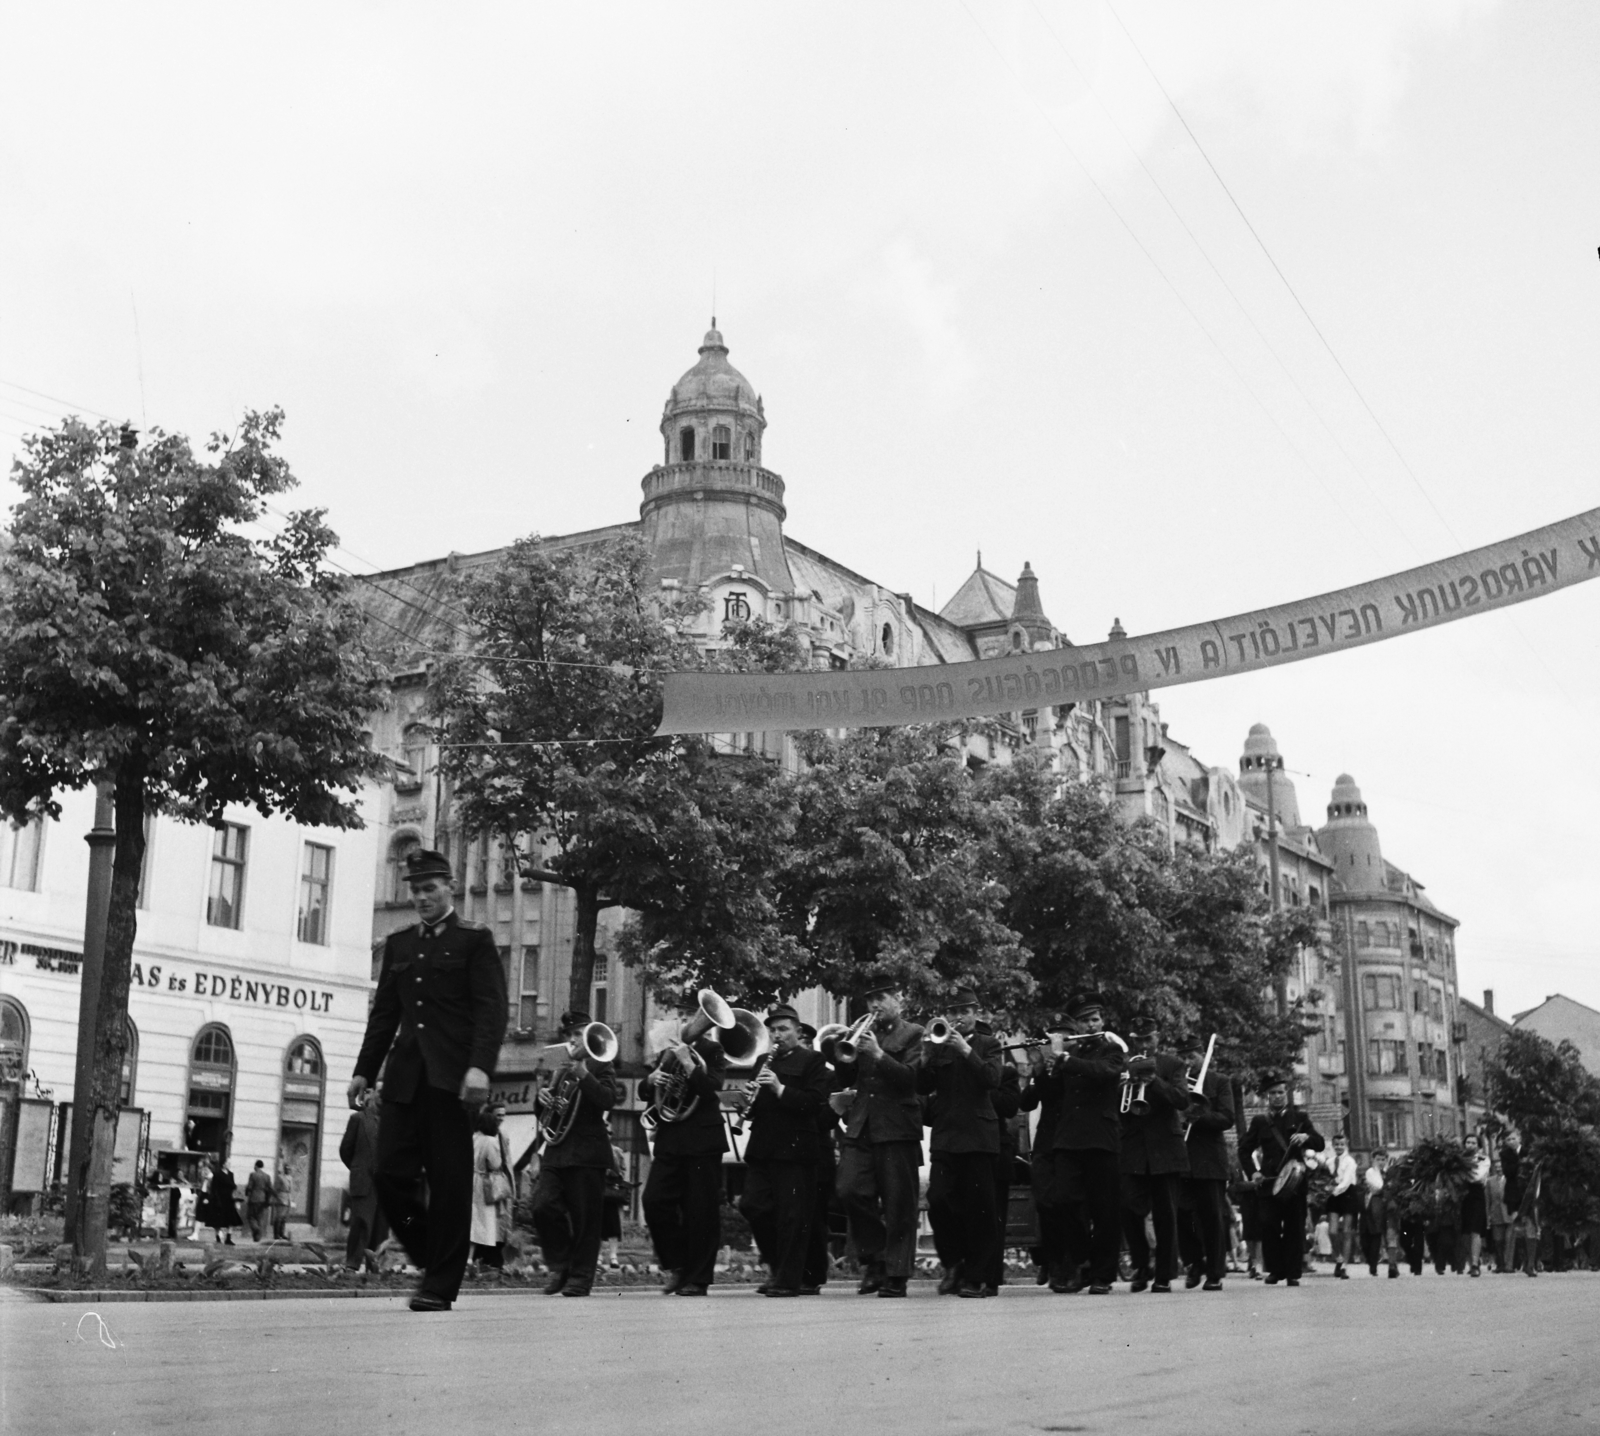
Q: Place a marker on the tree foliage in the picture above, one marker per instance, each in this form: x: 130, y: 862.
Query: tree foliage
x: 147, y: 643
x: 547, y: 723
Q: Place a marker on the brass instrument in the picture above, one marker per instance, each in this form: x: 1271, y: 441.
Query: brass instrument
x: 558, y: 1103
x: 1063, y: 1038
x: 747, y: 1041
x: 1135, y: 1095
x: 1198, y: 1086
x: 938, y: 1031
x: 673, y: 1100
x: 844, y: 1048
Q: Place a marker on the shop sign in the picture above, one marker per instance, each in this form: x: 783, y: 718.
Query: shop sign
x: 200, y: 1077
x: 46, y: 959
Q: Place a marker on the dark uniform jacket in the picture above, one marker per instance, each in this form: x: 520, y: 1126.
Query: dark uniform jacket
x: 1091, y: 1092
x: 1007, y: 1102
x: 358, y: 1150
x: 886, y: 1108
x: 1270, y: 1135
x: 703, y: 1133
x: 1153, y: 1143
x: 1043, y: 1090
x: 959, y: 1087
x: 445, y: 997
x: 784, y: 1129
x: 587, y: 1143
x: 1210, y: 1116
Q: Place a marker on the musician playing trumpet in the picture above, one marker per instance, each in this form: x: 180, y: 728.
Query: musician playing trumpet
x: 1154, y: 1159
x: 1282, y: 1136
x: 567, y: 1200
x: 881, y: 1149
x: 683, y: 1195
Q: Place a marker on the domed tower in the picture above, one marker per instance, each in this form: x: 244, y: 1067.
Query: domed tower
x: 1350, y: 839
x: 1260, y: 757
x: 711, y: 514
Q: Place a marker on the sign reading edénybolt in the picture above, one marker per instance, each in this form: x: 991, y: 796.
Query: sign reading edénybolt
x: 1481, y: 581
x: 175, y: 978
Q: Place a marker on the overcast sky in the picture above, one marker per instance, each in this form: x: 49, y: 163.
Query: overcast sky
x: 988, y: 281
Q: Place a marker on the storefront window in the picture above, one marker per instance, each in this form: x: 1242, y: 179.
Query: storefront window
x: 300, y: 1125
x: 211, y: 1078
x: 13, y: 1040
x: 130, y: 1063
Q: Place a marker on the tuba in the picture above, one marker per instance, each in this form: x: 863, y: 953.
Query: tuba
x: 673, y: 1100
x: 558, y: 1103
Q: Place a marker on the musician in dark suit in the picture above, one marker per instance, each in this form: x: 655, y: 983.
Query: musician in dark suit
x: 1007, y: 1102
x: 880, y: 1150
x: 1210, y: 1116
x: 1042, y: 1089
x: 1153, y: 1158
x: 817, y: 1253
x: 958, y: 1076
x: 780, y: 1185
x: 568, y: 1202
x: 683, y: 1195
x: 438, y: 1016
x: 1281, y: 1135
x: 1088, y: 1138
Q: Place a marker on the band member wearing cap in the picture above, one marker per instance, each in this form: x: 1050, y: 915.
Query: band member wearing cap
x: 1041, y: 1089
x: 817, y: 1254
x: 1281, y: 1135
x: 1153, y: 1158
x: 438, y: 1016
x: 780, y: 1185
x: 1006, y: 1100
x: 958, y: 1077
x: 880, y: 1152
x: 683, y: 1196
x: 1210, y: 1117
x: 568, y: 1202
x: 1088, y: 1140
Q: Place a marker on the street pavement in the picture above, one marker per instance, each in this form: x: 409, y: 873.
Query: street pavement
x: 1501, y: 1354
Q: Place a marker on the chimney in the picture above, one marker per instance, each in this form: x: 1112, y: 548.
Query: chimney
x: 1488, y: 1000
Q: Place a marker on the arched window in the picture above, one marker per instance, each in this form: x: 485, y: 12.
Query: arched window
x: 399, y: 850
x: 886, y: 640
x: 686, y: 445
x: 749, y: 448
x: 413, y: 768
x: 211, y: 1078
x: 130, y: 1064
x: 300, y: 1125
x: 721, y: 442
x: 13, y: 1040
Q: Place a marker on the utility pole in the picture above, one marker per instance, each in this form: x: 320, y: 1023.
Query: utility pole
x: 1273, y: 764
x: 102, y: 841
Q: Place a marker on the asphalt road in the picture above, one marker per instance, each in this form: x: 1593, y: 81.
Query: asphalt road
x: 1502, y: 1354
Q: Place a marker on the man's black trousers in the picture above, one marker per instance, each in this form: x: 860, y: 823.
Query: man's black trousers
x: 779, y: 1201
x: 431, y: 1134
x: 877, y: 1183
x: 683, y: 1209
x: 1283, y: 1233
x: 961, y: 1212
x: 1153, y: 1195
x: 1206, y: 1199
x: 1088, y: 1188
x: 1051, y: 1253
x: 568, y: 1205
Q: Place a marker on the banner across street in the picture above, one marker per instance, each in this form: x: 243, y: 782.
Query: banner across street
x: 1480, y: 581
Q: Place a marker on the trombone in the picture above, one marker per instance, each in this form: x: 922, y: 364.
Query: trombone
x: 1198, y: 1086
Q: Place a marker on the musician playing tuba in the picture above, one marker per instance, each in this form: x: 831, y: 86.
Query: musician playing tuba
x: 683, y: 1195
x: 568, y: 1198
x: 881, y: 1150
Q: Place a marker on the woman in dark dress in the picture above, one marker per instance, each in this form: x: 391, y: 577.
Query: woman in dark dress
x: 217, y: 1208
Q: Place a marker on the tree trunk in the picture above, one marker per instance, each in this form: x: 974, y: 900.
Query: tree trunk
x: 582, y: 981
x: 104, y: 1097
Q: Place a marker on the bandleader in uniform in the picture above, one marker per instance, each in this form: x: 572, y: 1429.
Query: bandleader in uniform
x: 438, y: 1016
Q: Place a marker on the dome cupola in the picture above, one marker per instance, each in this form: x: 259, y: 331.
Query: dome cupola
x: 1351, y: 840
x: 1259, y: 760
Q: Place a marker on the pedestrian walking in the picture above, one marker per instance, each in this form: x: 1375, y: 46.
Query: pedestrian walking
x: 1474, y: 1202
x: 257, y: 1200
x: 491, y: 1190
x: 1344, y: 1203
x: 216, y: 1208
x: 282, y: 1191
x: 358, y: 1150
x: 437, y: 1018
x: 1494, y: 1193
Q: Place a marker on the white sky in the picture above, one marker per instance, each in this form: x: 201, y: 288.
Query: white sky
x: 469, y: 249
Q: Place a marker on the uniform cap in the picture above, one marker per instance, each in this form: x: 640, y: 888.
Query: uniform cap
x: 781, y: 1011
x: 424, y: 863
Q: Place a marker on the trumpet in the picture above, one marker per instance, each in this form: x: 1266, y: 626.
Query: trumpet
x: 938, y: 1031
x: 1135, y: 1095
x: 845, y: 1048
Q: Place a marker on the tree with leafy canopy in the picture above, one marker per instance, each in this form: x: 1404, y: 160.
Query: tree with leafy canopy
x: 149, y: 645
x: 1106, y: 905
x: 1543, y: 1090
x: 546, y: 719
x: 892, y: 875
